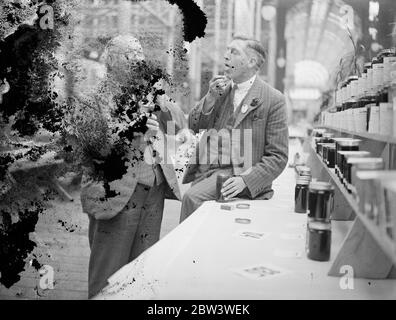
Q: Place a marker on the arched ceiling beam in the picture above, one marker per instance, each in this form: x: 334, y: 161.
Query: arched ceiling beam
x: 307, y: 24
x: 323, y: 27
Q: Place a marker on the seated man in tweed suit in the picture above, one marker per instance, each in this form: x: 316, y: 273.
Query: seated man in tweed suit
x: 241, y: 103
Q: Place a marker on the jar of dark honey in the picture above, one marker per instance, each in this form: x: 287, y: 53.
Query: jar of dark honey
x: 327, y: 137
x: 346, y: 166
x: 320, y: 201
x: 301, y: 194
x: 319, y: 240
x: 344, y: 145
x: 328, y: 151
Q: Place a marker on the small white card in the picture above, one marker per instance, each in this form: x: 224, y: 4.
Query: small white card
x: 250, y: 234
x: 262, y: 271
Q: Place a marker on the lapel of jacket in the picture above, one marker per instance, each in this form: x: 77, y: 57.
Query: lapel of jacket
x: 253, y: 93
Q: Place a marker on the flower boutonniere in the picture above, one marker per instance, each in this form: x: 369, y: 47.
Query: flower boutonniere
x: 254, y: 102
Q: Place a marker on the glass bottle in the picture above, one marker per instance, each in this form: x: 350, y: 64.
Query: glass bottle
x: 385, y: 101
x: 301, y: 194
x: 351, y: 104
x: 319, y: 240
x: 371, y: 106
x: 361, y: 112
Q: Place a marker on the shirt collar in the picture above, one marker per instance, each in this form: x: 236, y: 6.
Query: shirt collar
x: 246, y: 85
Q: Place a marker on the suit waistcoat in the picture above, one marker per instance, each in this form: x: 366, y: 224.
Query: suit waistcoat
x: 224, y: 119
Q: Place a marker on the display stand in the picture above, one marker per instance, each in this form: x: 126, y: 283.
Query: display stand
x: 363, y: 253
x: 366, y: 248
x: 379, y: 145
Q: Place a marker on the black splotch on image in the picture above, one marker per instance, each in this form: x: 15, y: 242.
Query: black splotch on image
x: 28, y: 63
x: 194, y: 19
x: 15, y: 243
x: 69, y: 227
x: 36, y: 264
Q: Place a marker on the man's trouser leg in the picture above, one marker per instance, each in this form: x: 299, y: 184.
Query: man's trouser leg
x: 117, y: 241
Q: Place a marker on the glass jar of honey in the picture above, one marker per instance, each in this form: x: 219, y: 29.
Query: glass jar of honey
x: 319, y: 240
x: 344, y: 145
x: 301, y: 194
x: 320, y: 201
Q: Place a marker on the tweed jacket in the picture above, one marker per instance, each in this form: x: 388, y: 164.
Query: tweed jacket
x: 263, y: 114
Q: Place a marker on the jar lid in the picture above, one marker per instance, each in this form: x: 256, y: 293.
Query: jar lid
x: 349, y: 143
x: 327, y: 144
x: 382, y: 175
x: 364, y: 160
x: 319, y: 225
x: 370, y: 164
x: 341, y: 139
x: 304, y: 170
x: 356, y: 154
x: 320, y: 186
x: 320, y: 131
x: 328, y: 135
x: 387, y: 52
x: 352, y: 78
x: 303, y: 180
x: 367, y: 65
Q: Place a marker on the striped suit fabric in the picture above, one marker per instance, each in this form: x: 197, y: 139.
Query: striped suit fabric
x: 266, y: 116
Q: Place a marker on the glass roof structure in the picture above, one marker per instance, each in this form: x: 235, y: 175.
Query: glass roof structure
x: 317, y: 36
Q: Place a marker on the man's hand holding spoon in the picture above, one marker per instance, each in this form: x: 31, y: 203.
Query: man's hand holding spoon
x: 218, y: 85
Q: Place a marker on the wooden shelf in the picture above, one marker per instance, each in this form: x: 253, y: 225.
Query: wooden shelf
x: 364, y: 135
x: 383, y: 241
x: 322, y: 172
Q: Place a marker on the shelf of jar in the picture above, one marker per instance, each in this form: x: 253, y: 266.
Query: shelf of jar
x: 364, y: 135
x: 378, y: 233
x: 328, y: 108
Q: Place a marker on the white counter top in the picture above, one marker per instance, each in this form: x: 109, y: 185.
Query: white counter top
x: 199, y: 258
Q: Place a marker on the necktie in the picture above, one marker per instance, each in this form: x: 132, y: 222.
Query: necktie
x: 231, y: 118
x: 232, y: 95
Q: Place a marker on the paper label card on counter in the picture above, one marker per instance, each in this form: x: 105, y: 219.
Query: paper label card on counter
x: 264, y: 271
x: 250, y: 234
